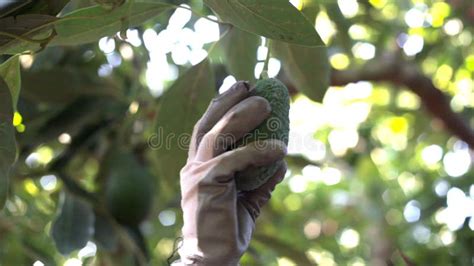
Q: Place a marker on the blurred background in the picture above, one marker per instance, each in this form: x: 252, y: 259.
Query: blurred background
x: 380, y: 159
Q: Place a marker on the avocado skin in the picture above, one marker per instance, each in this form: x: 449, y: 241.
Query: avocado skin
x: 129, y: 189
x: 276, y: 126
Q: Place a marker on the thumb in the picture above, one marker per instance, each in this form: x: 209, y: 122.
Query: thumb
x: 254, y: 200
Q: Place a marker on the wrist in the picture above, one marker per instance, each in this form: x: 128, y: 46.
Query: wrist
x: 191, y: 254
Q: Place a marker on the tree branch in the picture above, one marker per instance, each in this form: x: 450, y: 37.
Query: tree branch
x: 393, y: 69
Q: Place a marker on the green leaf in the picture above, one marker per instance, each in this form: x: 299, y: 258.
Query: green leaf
x: 10, y: 72
x: 342, y: 26
x: 38, y: 86
x: 307, y: 68
x: 104, y: 233
x: 275, y: 19
x: 7, y: 140
x: 50, y: 7
x: 9, y: 7
x: 14, y: 30
x: 310, y: 10
x: 74, y: 5
x: 240, y: 53
x: 74, y: 226
x: 90, y: 24
x: 181, y: 107
x: 82, y: 26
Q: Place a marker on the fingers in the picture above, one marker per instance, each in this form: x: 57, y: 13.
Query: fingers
x: 257, y: 153
x: 220, y: 171
x: 216, y: 110
x: 238, y: 121
x: 254, y: 200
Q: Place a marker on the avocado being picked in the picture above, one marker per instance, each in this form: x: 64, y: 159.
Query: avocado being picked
x: 276, y: 126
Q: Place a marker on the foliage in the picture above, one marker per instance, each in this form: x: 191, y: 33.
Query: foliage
x: 372, y: 178
x: 192, y: 93
x: 7, y: 143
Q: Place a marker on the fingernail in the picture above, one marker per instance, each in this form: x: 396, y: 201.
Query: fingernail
x: 238, y: 85
x: 247, y: 84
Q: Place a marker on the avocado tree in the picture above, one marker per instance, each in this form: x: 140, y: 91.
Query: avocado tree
x: 98, y: 100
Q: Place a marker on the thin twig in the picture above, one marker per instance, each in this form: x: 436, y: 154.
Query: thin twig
x: 264, y: 73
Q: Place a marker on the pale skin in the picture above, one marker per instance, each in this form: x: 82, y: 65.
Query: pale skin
x: 218, y: 219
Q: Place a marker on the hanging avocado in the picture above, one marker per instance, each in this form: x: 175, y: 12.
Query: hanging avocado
x: 129, y: 188
x: 276, y: 126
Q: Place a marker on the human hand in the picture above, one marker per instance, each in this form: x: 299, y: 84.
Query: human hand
x: 218, y: 219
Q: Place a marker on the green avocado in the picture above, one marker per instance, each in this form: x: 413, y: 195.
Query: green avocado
x: 276, y: 126
x: 129, y: 188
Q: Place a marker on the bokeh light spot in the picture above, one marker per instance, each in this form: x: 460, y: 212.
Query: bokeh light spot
x: 312, y: 229
x: 412, y: 211
x: 339, y: 61
x: 107, y: 45
x: 349, y: 238
x: 457, y: 163
x: 48, y: 182
x: 227, y: 83
x: 167, y: 217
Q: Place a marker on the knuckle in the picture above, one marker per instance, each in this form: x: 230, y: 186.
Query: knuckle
x: 216, y: 99
x: 223, y: 161
x: 197, y: 125
x: 235, y: 115
x: 208, y: 138
x: 227, y: 163
x: 201, y: 127
x: 184, y: 170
